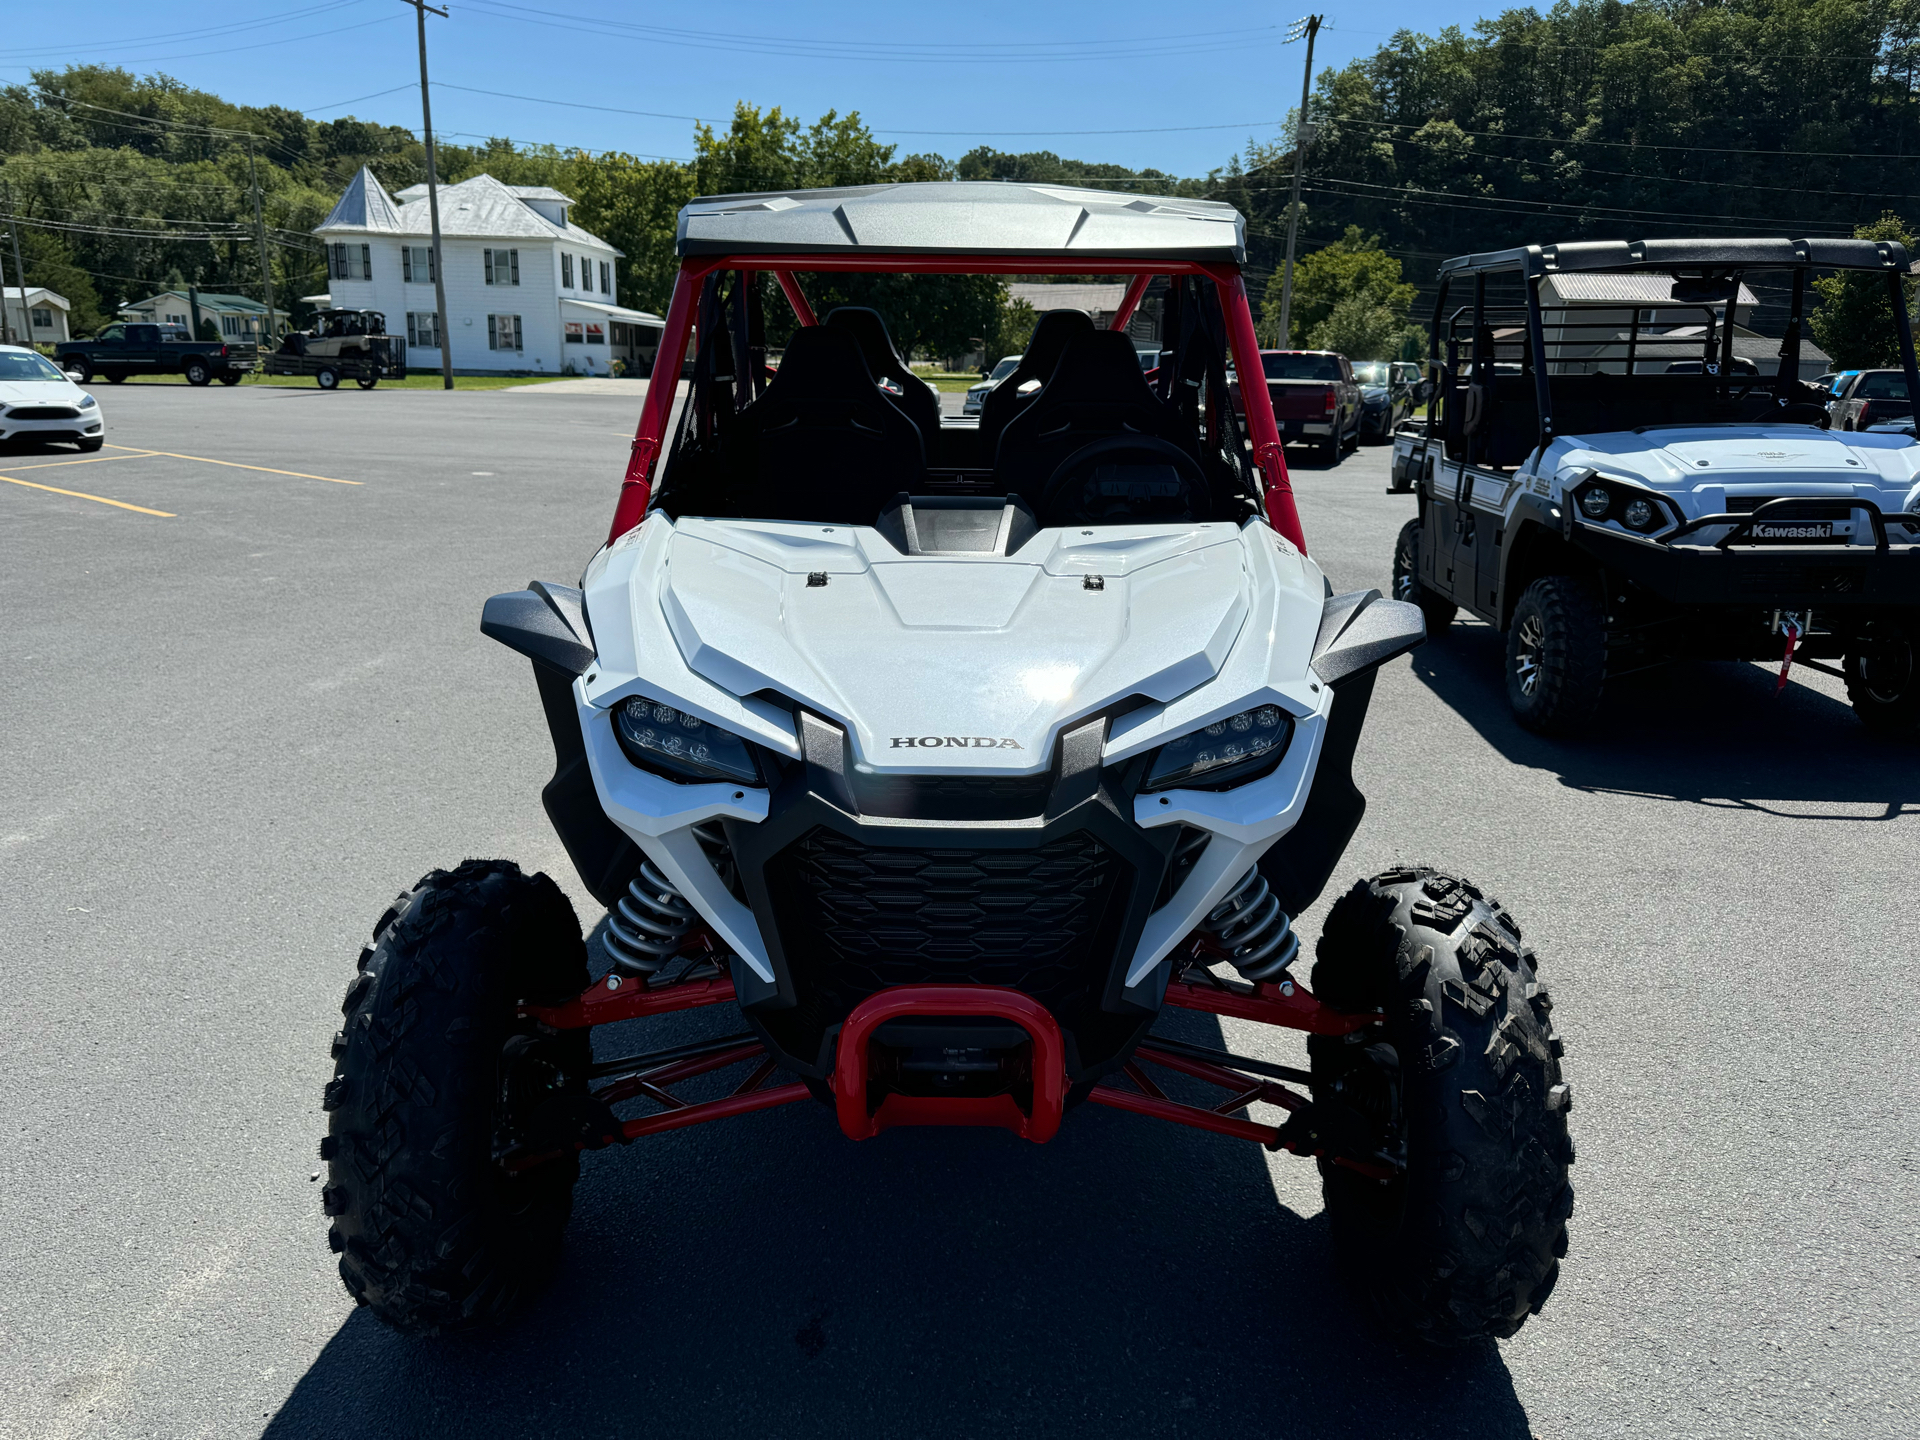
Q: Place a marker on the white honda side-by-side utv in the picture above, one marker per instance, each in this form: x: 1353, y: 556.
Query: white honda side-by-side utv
x: 947, y: 752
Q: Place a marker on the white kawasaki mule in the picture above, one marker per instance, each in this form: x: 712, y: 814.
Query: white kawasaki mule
x: 944, y: 754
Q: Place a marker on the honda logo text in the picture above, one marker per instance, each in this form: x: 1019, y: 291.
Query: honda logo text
x: 969, y: 743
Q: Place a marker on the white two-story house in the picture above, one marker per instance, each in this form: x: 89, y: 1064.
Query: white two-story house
x: 527, y: 289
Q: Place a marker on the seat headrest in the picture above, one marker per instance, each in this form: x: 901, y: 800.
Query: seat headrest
x: 819, y: 362
x: 1051, y: 334
x: 867, y: 330
x: 1098, y: 365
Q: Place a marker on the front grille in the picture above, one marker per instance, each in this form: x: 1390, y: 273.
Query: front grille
x: 855, y: 919
x: 42, y: 412
x: 1748, y: 504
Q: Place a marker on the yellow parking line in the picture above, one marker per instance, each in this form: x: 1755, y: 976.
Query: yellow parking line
x: 209, y: 460
x: 89, y: 460
x: 82, y: 495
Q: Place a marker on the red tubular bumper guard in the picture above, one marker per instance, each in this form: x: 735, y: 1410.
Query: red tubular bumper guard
x: 850, y: 1083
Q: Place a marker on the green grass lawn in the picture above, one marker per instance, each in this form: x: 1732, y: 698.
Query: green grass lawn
x: 948, y: 382
x: 429, y: 380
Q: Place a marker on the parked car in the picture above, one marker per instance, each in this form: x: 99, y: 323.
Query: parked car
x: 978, y: 393
x: 343, y: 345
x: 1387, y: 396
x: 132, y: 348
x: 1314, y: 398
x: 1870, y: 397
x: 941, y: 770
x: 40, y: 402
x: 1608, y: 521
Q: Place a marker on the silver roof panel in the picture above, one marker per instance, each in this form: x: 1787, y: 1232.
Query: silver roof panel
x: 964, y: 218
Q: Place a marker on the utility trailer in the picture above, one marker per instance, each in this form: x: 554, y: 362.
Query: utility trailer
x: 343, y: 345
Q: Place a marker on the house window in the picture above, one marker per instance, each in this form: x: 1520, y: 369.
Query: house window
x: 349, y: 262
x: 175, y: 320
x: 606, y: 278
x: 417, y: 263
x: 586, y: 272
x: 573, y: 330
x: 566, y: 270
x: 230, y: 325
x: 43, y: 318
x: 595, y: 335
x: 503, y: 332
x: 423, y: 329
x: 503, y: 266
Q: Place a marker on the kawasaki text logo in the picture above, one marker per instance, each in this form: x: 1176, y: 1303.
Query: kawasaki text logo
x: 975, y: 743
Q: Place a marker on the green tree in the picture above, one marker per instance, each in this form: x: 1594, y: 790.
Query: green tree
x: 1855, y: 323
x: 1356, y: 276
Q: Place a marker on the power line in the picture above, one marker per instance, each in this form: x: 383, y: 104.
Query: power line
x: 1640, y: 144
x: 183, y: 35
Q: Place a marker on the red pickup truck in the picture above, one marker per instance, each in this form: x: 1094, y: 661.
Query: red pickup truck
x: 1314, y: 398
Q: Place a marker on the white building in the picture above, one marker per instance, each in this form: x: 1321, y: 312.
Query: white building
x: 43, y: 316
x: 527, y: 290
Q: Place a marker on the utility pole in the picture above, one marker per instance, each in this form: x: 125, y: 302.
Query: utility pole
x: 260, y: 234
x: 1310, y: 27
x: 19, y: 269
x: 445, y: 336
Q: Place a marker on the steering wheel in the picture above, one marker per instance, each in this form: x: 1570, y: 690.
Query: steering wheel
x: 1139, y: 478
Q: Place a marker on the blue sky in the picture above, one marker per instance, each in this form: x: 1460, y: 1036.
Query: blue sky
x: 966, y: 70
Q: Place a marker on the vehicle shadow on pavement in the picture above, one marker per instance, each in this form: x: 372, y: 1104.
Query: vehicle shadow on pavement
x: 763, y: 1276
x: 1713, y: 733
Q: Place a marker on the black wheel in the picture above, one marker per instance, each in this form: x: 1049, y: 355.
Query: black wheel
x: 1556, y: 654
x: 1880, y: 679
x: 1438, y: 609
x: 431, y: 1071
x: 230, y: 377
x: 198, y: 372
x: 367, y: 382
x: 1467, y: 1243
x: 115, y: 377
x: 92, y: 442
x: 327, y: 378
x: 1328, y: 451
x: 79, y: 371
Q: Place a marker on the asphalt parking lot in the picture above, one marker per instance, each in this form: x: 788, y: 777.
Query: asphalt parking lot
x: 248, y: 701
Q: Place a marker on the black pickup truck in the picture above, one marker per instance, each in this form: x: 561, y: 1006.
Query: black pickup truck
x: 124, y: 349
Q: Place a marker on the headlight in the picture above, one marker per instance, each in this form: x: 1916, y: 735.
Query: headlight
x: 87, y: 402
x: 1639, y: 515
x: 1595, y: 501
x: 1226, y: 753
x: 657, y: 737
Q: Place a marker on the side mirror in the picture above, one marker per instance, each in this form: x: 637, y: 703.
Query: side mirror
x: 1424, y: 392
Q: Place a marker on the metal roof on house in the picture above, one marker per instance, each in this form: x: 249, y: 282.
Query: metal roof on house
x: 209, y: 300
x: 1682, y: 254
x: 964, y: 218
x: 1632, y: 288
x: 614, y: 312
x: 477, y: 208
x: 1094, y: 299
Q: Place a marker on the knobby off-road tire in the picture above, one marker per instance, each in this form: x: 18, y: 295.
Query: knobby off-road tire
x: 1467, y: 1244
x: 1881, y: 685
x: 1407, y: 581
x: 431, y: 1233
x: 1556, y: 654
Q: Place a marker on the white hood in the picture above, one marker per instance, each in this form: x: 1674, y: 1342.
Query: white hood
x: 1701, y: 465
x: 40, y: 392
x: 951, y: 663
x: 992, y: 651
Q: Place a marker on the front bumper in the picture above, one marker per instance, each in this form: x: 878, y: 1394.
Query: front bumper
x: 77, y: 425
x: 1790, y: 577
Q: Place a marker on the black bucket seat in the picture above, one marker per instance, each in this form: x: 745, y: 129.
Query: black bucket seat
x: 824, y: 443
x: 1051, y: 334
x: 1097, y: 392
x: 867, y: 330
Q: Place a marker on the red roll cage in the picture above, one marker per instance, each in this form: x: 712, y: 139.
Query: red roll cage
x: 1243, y: 346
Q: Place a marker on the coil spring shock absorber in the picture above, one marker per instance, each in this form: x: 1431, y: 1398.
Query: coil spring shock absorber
x: 646, y: 926
x: 1251, y: 927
